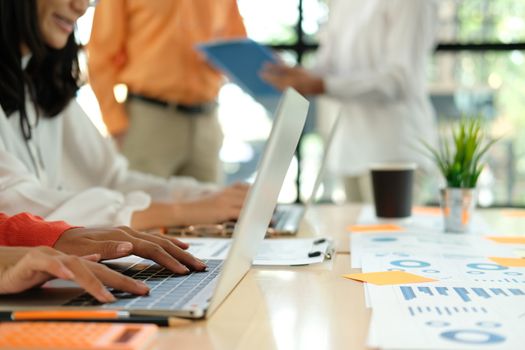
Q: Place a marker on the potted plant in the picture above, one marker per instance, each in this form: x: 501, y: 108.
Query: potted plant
x: 460, y: 162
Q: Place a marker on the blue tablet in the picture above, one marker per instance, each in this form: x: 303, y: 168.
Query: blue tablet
x: 241, y: 60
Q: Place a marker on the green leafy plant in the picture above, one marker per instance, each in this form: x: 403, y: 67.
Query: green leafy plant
x: 460, y: 163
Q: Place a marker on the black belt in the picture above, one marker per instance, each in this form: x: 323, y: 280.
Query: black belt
x: 179, y: 107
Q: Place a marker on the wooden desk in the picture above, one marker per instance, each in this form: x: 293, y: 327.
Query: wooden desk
x: 309, y: 307
x: 289, y: 308
x: 331, y: 221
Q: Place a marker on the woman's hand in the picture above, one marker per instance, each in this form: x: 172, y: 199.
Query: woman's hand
x: 281, y: 76
x: 25, y: 268
x: 123, y: 241
x: 214, y: 208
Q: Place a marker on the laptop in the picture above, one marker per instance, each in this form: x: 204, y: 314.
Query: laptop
x: 198, y: 294
x: 287, y: 217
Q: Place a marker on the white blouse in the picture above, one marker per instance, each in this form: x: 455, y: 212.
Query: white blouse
x: 68, y: 171
x: 373, y: 57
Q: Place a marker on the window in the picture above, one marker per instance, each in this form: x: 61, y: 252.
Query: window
x: 478, y: 67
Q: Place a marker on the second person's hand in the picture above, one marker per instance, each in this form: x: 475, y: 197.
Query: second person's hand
x: 210, y: 208
x: 214, y: 208
x: 282, y: 76
x: 123, y: 241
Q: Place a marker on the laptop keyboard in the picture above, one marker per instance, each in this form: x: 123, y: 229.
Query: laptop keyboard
x: 167, y: 290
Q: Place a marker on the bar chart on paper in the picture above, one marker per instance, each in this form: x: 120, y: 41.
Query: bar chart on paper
x: 448, y: 327
x: 458, y: 294
x: 446, y: 267
x: 447, y: 310
x: 494, y: 273
x: 448, y: 316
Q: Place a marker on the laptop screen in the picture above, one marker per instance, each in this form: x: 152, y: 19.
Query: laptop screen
x: 262, y: 198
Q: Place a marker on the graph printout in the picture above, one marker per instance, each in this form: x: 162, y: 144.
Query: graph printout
x: 441, y: 316
x: 446, y: 267
x: 423, y: 243
x: 459, y: 294
x: 465, y: 294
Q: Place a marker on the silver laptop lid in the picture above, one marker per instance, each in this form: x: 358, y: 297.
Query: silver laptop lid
x: 324, y: 162
x: 289, y: 222
x: 257, y: 211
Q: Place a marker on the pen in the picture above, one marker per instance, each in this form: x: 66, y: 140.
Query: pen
x: 314, y: 254
x: 34, y: 315
x: 90, y: 316
x: 328, y: 254
x: 329, y: 249
x: 320, y: 240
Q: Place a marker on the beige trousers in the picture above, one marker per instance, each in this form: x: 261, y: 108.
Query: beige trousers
x: 166, y: 142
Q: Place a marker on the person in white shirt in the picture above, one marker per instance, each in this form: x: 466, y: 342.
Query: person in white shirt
x: 53, y: 162
x: 372, y: 59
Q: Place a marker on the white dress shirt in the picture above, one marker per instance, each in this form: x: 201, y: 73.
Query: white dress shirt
x: 373, y: 58
x: 68, y: 171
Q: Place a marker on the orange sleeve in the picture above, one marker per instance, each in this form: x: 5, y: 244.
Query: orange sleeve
x: 107, y: 55
x: 26, y: 230
x: 236, y: 27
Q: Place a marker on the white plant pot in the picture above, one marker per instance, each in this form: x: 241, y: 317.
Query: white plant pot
x: 458, y: 205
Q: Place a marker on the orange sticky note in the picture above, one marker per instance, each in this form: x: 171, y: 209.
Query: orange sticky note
x: 434, y: 211
x: 508, y: 239
x: 509, y: 262
x: 513, y: 213
x: 388, y: 277
x: 374, y: 228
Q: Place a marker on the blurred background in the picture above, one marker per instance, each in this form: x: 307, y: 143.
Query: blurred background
x: 478, y: 67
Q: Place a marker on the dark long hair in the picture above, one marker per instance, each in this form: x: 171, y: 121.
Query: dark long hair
x: 52, y: 76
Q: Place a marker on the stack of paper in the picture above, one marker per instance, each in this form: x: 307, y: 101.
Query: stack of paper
x: 447, y: 316
x: 431, y: 290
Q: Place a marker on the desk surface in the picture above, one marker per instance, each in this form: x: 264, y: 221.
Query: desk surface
x: 309, y: 307
x: 299, y: 308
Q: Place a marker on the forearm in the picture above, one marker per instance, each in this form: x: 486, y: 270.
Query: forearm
x: 160, y: 189
x: 171, y: 214
x: 386, y: 85
x: 155, y: 216
x: 211, y: 209
x: 316, y: 87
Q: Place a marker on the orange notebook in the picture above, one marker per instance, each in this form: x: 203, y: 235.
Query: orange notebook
x: 75, y: 335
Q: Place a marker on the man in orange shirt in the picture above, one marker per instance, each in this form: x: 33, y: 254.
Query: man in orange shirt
x: 168, y: 125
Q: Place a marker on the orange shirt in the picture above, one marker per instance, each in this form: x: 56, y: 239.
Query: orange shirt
x: 149, y: 45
